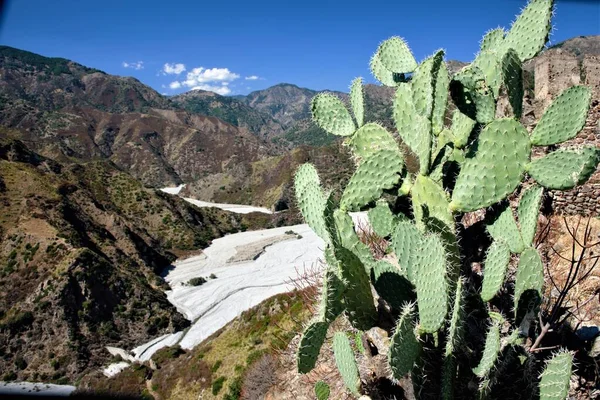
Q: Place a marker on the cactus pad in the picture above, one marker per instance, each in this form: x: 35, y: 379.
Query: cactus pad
x: 554, y: 384
x: 381, y: 73
x: 472, y: 94
x: 310, y: 346
x: 489, y: 63
x: 322, y: 390
x: 456, y: 320
x: 371, y: 138
x: 395, y: 56
x: 360, y: 307
x: 331, y: 296
x: 413, y: 128
x: 496, y: 262
x: 311, y: 199
x: 427, y: 193
x: 564, y: 168
x: 404, y: 346
x: 496, y: 168
x: 490, y: 351
x: 529, y: 32
x: 346, y: 364
x: 378, y: 172
x: 349, y: 239
x: 504, y: 228
x: 357, y: 102
x: 423, y: 84
x: 462, y: 126
x: 440, y: 97
x: 492, y: 40
x: 528, y: 211
x: 406, y: 240
x: 564, y: 118
x: 512, y: 76
x: 381, y: 218
x: 530, y: 275
x: 331, y: 114
x: 430, y: 281
x: 391, y: 285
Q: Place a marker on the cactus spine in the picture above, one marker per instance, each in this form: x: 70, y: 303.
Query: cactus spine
x: 423, y: 283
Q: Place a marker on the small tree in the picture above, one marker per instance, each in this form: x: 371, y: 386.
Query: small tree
x: 476, y: 162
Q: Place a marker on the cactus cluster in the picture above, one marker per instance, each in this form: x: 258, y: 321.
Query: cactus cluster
x: 475, y: 162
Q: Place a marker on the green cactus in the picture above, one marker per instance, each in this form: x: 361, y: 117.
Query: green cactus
x: 358, y: 300
x: 322, y: 390
x: 311, y: 199
x: 345, y: 361
x: 529, y: 32
x: 395, y: 56
x: 430, y: 276
x: 565, y: 168
x: 423, y: 84
x: 529, y: 207
x: 430, y: 195
x: 490, y: 64
x: 492, y: 40
x: 413, y: 128
x: 554, y: 384
x: 473, y: 95
x: 495, y: 169
x: 504, y: 228
x: 404, y: 346
x: 378, y: 172
x: 490, y: 351
x: 426, y: 282
x: 564, y: 118
x: 406, y: 239
x: 331, y: 114
x: 331, y: 296
x: 530, y: 276
x: 370, y: 139
x: 382, y: 219
x: 512, y: 75
x: 310, y: 346
x: 356, y: 99
x: 496, y: 263
x: 462, y: 126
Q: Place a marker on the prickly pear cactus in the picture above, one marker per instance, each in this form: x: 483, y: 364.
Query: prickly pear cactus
x: 471, y: 161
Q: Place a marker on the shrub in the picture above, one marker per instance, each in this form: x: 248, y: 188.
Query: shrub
x: 196, y: 281
x: 217, y: 385
x: 216, y: 366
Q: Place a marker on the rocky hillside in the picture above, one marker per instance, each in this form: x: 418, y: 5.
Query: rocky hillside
x: 231, y: 110
x: 68, y: 112
x: 81, y: 249
x: 270, y: 182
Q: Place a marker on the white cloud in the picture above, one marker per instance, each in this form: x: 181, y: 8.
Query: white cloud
x: 222, y: 90
x: 202, y: 75
x: 175, y: 85
x: 135, y: 65
x: 252, y: 78
x: 173, y: 69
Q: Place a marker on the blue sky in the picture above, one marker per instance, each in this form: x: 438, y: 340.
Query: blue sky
x: 234, y: 47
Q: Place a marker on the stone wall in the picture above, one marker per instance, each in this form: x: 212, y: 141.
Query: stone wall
x: 555, y: 71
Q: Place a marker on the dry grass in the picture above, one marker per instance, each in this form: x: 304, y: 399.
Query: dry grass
x: 567, y: 238
x: 376, y: 243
